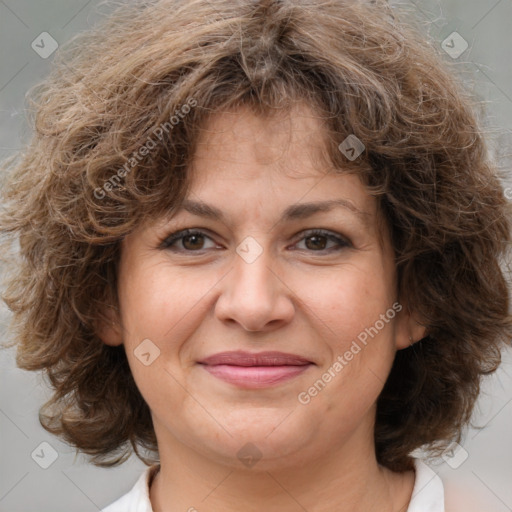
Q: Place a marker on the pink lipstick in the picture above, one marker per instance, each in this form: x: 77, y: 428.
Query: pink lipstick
x: 255, y: 370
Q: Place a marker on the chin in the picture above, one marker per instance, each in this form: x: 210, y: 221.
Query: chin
x: 258, y: 442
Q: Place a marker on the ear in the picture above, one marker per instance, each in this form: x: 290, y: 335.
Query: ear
x: 408, y: 329
x: 109, y: 329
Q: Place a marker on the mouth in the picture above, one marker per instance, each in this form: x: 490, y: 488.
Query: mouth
x: 255, y: 370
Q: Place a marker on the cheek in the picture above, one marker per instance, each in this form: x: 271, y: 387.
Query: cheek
x: 354, y: 317
x: 165, y: 307
x: 349, y: 300
x: 159, y: 303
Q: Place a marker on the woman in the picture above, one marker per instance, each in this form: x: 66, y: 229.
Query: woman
x: 261, y: 243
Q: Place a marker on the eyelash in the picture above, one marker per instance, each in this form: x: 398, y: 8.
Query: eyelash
x: 167, y: 242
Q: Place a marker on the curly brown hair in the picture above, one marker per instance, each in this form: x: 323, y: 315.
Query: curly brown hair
x: 84, y: 182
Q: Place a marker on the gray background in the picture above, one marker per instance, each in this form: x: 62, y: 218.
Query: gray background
x: 70, y: 483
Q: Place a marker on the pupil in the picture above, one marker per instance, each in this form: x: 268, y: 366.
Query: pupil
x: 189, y: 237
x: 316, y: 237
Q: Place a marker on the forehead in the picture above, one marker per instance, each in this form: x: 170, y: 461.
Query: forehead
x: 268, y: 170
x: 277, y: 163
x: 291, y: 141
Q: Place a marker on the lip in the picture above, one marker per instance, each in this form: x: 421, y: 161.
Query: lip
x: 255, y: 369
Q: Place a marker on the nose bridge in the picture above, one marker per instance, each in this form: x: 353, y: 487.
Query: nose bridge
x: 253, y: 296
x: 252, y: 274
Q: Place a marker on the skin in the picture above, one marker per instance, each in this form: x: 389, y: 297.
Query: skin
x: 296, y: 297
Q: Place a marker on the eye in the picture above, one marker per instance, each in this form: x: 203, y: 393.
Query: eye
x: 316, y: 240
x: 190, y: 240
x: 193, y: 240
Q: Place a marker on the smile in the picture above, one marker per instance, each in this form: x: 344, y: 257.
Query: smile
x: 255, y: 370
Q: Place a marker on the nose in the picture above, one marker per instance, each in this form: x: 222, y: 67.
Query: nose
x: 255, y: 296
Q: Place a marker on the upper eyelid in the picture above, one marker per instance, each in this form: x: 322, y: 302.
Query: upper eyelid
x: 181, y: 233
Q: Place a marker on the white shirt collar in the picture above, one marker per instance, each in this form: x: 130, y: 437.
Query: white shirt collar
x: 136, y: 500
x: 428, y: 491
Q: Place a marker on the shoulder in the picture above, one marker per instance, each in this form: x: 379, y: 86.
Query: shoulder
x: 460, y: 496
x: 435, y: 493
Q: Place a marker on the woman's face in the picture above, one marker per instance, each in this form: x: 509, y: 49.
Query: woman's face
x: 254, y: 278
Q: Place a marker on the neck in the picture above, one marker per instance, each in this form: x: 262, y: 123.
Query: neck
x: 346, y: 479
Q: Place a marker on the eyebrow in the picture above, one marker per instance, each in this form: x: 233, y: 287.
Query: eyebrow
x: 293, y: 212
